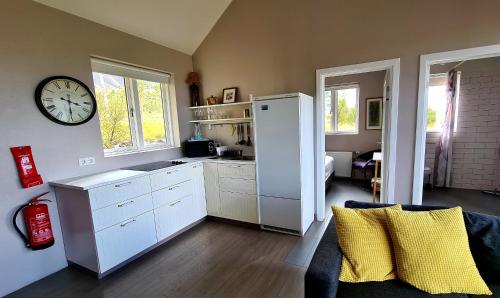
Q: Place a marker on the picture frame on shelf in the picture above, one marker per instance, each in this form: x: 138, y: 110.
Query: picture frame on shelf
x: 374, y: 106
x: 229, y: 95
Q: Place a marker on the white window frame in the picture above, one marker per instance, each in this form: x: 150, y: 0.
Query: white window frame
x: 457, y: 103
x: 334, y: 109
x: 130, y: 75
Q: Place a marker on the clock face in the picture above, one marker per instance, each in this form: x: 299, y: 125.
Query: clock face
x: 65, y: 100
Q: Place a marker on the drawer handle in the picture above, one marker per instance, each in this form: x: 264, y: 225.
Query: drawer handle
x: 126, y: 223
x: 126, y: 203
x: 175, y: 203
x: 235, y: 166
x: 171, y: 172
x: 173, y: 187
x: 123, y: 184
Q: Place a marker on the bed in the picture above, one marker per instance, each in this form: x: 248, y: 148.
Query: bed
x: 329, y: 171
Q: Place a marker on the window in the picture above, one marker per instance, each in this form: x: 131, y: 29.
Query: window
x: 135, y: 111
x: 342, y: 109
x: 436, y: 106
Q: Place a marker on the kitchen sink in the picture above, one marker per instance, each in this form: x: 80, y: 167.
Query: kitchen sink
x: 148, y: 167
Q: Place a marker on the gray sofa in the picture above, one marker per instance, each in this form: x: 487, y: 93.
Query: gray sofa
x: 321, y: 279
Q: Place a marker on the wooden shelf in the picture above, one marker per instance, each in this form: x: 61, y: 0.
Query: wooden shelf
x: 222, y: 105
x: 223, y: 121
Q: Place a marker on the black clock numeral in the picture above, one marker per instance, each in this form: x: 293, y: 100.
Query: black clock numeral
x: 59, y: 115
x: 77, y: 86
x: 49, y: 90
x: 86, y: 110
x: 84, y: 94
x: 56, y: 84
x: 51, y: 107
x: 87, y: 103
x: 66, y: 83
x: 80, y: 116
x: 50, y: 99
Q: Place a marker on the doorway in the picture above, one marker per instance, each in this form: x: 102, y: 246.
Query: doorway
x: 326, y: 91
x: 457, y: 154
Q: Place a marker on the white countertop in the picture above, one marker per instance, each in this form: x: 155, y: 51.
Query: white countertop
x: 109, y: 177
x: 96, y: 180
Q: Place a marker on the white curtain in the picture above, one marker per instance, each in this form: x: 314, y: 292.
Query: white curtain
x: 443, y: 158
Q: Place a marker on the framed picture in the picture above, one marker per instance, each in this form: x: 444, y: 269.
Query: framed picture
x: 229, y: 95
x: 374, y: 113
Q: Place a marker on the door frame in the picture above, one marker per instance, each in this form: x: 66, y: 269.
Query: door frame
x: 392, y: 65
x: 420, y: 135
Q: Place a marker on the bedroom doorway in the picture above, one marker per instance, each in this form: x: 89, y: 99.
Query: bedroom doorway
x: 356, y: 111
x: 457, y: 157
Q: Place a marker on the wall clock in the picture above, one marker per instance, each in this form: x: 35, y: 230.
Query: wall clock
x: 65, y: 100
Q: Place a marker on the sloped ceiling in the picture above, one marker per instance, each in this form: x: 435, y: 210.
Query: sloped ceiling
x: 178, y: 24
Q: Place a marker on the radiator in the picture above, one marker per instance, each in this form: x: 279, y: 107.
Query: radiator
x: 342, y: 163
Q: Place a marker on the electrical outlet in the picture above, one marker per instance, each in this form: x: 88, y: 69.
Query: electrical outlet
x: 86, y: 161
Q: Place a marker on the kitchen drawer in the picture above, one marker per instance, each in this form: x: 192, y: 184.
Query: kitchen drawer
x: 118, y: 212
x: 237, y: 170
x: 169, y: 177
x: 174, y: 216
x: 238, y: 185
x: 172, y: 193
x: 242, y: 207
x: 124, y: 240
x: 117, y: 192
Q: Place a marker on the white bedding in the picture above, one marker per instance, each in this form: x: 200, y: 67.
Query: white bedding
x: 328, y: 166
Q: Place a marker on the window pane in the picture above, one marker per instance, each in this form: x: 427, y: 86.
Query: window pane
x: 436, y: 108
x: 347, y: 109
x: 113, y: 111
x: 153, y: 121
x: 328, y: 109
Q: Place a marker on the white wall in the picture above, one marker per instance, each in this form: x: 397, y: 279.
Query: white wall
x: 37, y: 42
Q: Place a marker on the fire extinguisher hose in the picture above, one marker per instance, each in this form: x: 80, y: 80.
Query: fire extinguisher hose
x: 31, y: 202
x: 26, y: 241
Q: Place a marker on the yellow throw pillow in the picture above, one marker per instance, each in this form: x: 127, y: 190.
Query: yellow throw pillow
x: 432, y: 251
x: 365, y: 243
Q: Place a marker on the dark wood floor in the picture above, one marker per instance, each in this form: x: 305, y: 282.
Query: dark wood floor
x: 212, y: 259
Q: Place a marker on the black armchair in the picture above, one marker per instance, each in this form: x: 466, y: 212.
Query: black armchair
x: 364, y: 163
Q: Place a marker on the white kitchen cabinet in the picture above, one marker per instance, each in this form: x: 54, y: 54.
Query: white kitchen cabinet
x: 174, y: 216
x: 238, y: 206
x: 200, y: 204
x: 170, y: 176
x: 118, y: 243
x: 109, y: 194
x: 211, y: 175
x: 118, y: 212
x: 231, y: 191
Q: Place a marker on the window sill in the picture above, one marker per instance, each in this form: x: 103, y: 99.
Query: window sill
x: 136, y: 151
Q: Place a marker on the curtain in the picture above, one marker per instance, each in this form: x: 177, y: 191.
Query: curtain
x: 443, y: 157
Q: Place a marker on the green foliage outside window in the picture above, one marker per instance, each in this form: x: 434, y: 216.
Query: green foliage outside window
x: 113, y: 116
x: 346, y: 115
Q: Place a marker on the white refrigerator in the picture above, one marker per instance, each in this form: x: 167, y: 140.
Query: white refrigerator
x: 284, y: 149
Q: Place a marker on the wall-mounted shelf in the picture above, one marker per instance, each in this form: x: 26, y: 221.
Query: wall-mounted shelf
x: 223, y: 121
x: 222, y: 105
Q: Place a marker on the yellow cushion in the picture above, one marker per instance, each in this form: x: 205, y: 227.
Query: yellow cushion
x: 365, y: 243
x: 432, y: 251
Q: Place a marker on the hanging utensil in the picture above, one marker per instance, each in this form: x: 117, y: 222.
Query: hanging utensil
x: 249, y: 142
x: 242, y: 140
x: 237, y: 134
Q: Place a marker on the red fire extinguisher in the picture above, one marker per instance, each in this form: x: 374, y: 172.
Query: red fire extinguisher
x: 37, y: 222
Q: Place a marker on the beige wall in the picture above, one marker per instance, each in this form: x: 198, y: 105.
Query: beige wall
x: 37, y: 42
x: 268, y: 47
x: 371, y: 84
